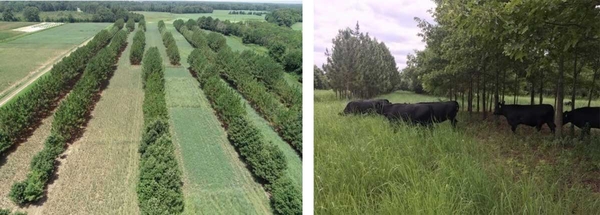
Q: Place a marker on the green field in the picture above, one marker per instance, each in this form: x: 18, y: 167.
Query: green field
x: 363, y: 166
x: 41, y: 49
x: 216, y: 180
x: 297, y: 26
x: 220, y: 14
x: 6, y: 29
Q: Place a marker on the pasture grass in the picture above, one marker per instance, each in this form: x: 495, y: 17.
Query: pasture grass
x: 98, y: 173
x: 216, y: 180
x: 297, y: 26
x: 364, y: 165
x: 41, y: 49
x: 6, y: 29
x: 154, y: 17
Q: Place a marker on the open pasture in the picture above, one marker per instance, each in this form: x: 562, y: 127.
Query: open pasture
x: 365, y: 166
x: 41, y: 49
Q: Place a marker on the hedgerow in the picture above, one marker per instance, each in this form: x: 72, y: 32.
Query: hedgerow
x: 195, y: 37
x: 130, y: 25
x: 68, y: 121
x: 120, y: 23
x: 142, y: 24
x: 137, y: 48
x: 215, y: 41
x: 17, y: 118
x: 169, y: 42
x: 159, y: 187
x: 264, y: 158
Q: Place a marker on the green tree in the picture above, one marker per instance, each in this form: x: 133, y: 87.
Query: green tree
x: 8, y: 16
x: 31, y: 14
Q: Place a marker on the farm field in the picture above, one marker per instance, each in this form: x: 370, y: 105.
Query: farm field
x: 215, y: 179
x: 42, y: 49
x: 363, y: 166
x: 220, y: 14
x: 6, y: 29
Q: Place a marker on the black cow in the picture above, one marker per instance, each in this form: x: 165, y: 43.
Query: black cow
x: 421, y: 114
x: 584, y: 118
x: 365, y: 106
x: 443, y: 111
x: 531, y: 115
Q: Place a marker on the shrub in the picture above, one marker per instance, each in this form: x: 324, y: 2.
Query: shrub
x: 171, y: 45
x: 286, y: 198
x: 215, y: 41
x: 119, y: 23
x: 161, y: 26
x: 130, y: 25
x: 293, y: 61
x: 137, y: 48
x: 142, y: 24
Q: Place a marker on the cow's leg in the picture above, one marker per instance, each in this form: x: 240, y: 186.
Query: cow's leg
x: 453, y: 121
x: 552, y: 126
x: 513, y: 128
x: 538, y: 127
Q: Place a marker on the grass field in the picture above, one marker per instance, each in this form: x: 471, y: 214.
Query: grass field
x: 216, y: 180
x: 363, y: 167
x: 6, y: 31
x: 41, y: 49
x: 99, y: 172
x: 220, y: 14
x: 297, y: 26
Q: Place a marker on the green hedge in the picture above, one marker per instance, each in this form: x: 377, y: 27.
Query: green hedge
x: 120, y: 23
x: 18, y: 117
x: 142, y: 24
x: 216, y: 41
x: 195, y: 36
x: 137, y: 48
x: 264, y: 158
x: 68, y: 121
x: 130, y: 25
x: 169, y: 42
x: 159, y: 187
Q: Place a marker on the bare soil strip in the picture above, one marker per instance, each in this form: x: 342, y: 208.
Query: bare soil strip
x: 38, y: 27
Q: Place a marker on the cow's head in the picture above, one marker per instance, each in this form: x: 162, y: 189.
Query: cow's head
x: 566, y: 117
x: 499, y: 107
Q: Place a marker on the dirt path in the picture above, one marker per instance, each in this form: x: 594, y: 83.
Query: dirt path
x: 34, y: 75
x: 98, y: 173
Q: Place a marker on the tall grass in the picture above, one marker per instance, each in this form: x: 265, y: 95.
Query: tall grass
x: 363, y: 165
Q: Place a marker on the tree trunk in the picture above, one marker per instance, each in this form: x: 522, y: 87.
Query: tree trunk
x: 462, y: 98
x: 470, y: 96
x: 541, y: 86
x: 496, y: 93
x: 532, y: 90
x: 593, y: 85
x: 558, y: 116
x: 484, y: 98
x: 516, y: 88
x: 573, y: 92
x: 503, y: 84
x: 477, y: 90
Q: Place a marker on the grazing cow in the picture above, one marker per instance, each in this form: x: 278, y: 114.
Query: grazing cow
x: 443, y: 111
x: 365, y: 106
x: 421, y: 114
x: 584, y: 118
x: 531, y: 115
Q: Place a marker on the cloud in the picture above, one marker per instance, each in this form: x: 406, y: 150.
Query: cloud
x: 389, y: 21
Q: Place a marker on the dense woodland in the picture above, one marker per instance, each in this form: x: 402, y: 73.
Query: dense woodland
x: 284, y: 17
x: 485, y: 52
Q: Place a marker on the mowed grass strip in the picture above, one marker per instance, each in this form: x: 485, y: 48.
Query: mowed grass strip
x: 40, y: 49
x: 218, y: 182
x: 363, y: 166
x: 100, y: 172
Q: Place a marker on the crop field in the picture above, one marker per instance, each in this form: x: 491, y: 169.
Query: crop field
x: 220, y: 14
x: 41, y: 49
x: 363, y: 165
x: 6, y: 29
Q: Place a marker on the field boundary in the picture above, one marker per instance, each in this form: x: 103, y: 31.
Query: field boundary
x: 15, y: 89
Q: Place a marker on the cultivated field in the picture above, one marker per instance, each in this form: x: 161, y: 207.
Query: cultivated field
x: 363, y: 166
x: 6, y: 29
x: 41, y: 49
x: 220, y: 14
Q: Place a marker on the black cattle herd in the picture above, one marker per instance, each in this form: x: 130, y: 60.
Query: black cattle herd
x: 427, y: 113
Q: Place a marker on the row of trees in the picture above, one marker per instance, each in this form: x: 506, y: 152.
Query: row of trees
x: 130, y: 25
x: 484, y: 50
x: 32, y: 14
x: 285, y: 16
x: 173, y: 7
x: 241, y: 12
x: 159, y: 186
x: 265, y: 159
x: 71, y: 115
x: 284, y: 44
x: 137, y: 48
x: 142, y: 24
x: 169, y: 42
x: 359, y: 66
x: 18, y: 118
x: 287, y: 121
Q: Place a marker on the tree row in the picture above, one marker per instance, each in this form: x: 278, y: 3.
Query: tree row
x: 19, y: 118
x: 265, y: 159
x: 137, y: 48
x: 72, y: 114
x: 159, y: 187
x: 169, y: 42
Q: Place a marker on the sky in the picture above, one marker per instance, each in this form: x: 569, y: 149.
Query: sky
x: 389, y: 21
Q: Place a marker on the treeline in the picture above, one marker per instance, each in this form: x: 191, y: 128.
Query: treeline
x: 359, y: 66
x: 18, y: 119
x: 286, y: 121
x: 284, y: 44
x: 31, y: 13
x: 159, y: 187
x: 494, y: 52
x: 241, y: 12
x: 264, y: 158
x: 69, y: 119
x: 169, y: 42
x: 285, y: 16
x: 173, y: 7
x: 137, y: 48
